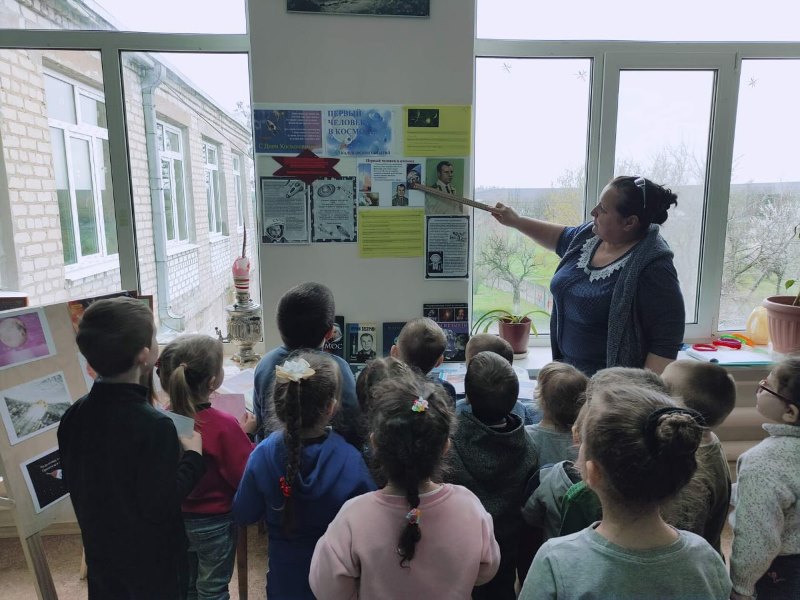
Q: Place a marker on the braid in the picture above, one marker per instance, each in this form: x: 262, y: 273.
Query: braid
x: 411, y: 533
x: 294, y: 422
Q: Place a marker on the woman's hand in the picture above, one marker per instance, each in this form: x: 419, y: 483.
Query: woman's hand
x: 506, y: 215
x: 194, y: 443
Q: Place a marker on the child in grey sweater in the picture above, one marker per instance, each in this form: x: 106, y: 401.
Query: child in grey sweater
x: 638, y: 449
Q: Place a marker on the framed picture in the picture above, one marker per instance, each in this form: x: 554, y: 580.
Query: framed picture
x: 395, y: 8
x: 24, y: 337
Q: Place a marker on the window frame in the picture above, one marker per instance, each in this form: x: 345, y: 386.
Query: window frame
x: 238, y: 191
x: 217, y: 206
x: 111, y: 44
x: 89, y: 134
x: 607, y: 59
x: 171, y: 156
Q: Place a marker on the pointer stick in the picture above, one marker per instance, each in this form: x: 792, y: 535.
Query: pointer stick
x: 437, y: 192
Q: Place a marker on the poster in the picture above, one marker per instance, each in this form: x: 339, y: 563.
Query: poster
x: 361, y: 342
x: 447, y: 247
x: 333, y: 210
x: 24, y: 337
x: 33, y: 407
x: 334, y: 344
x: 454, y: 321
x: 360, y: 131
x: 387, y: 182
x: 437, y: 130
x: 391, y: 330
x: 408, y: 8
x: 287, y: 131
x: 391, y: 233
x: 284, y: 211
x: 78, y: 307
x: 44, y: 478
x: 447, y: 175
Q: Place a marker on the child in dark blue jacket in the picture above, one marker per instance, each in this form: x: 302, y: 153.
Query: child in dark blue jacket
x: 299, y: 477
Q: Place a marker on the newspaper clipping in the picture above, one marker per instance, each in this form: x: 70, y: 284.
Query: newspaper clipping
x: 333, y: 210
x: 284, y: 208
x: 447, y: 247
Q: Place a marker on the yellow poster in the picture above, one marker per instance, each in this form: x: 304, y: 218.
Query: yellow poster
x: 393, y: 233
x: 437, y: 130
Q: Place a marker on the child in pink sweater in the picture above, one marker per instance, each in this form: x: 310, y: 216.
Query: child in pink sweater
x: 446, y: 546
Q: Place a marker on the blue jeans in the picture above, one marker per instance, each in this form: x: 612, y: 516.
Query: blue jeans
x: 782, y: 579
x: 212, y: 553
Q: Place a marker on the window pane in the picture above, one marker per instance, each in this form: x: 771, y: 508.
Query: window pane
x: 103, y: 161
x: 180, y: 196
x: 761, y: 246
x: 734, y: 20
x: 60, y: 99
x: 193, y: 285
x: 175, y: 16
x: 84, y: 196
x: 545, y: 103
x: 93, y: 112
x: 166, y: 193
x: 663, y: 129
x: 62, y: 192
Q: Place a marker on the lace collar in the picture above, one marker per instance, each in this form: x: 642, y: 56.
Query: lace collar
x: 595, y: 274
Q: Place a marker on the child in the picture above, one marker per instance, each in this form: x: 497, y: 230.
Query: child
x: 414, y: 538
x: 305, y: 319
x: 560, y: 392
x: 189, y: 369
x: 486, y: 342
x: 299, y: 477
x: 493, y: 457
x: 702, y: 506
x: 580, y: 506
x: 421, y: 344
x: 766, y: 534
x: 637, y: 450
x: 121, y: 461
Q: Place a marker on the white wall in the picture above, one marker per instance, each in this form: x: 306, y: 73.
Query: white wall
x: 316, y: 58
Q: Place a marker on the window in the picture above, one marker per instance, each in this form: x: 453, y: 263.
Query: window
x: 216, y: 215
x: 81, y: 164
x: 761, y: 246
x: 173, y: 187
x: 237, y: 190
x: 550, y: 133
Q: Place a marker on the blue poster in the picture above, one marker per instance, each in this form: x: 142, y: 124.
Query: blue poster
x: 287, y: 131
x: 358, y: 132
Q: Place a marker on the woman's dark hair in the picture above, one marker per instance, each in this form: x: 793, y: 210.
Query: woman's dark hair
x: 300, y: 405
x: 650, y: 204
x: 185, y: 369
x: 647, y: 455
x: 409, y: 443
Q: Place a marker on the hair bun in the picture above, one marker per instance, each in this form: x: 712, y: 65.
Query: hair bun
x: 677, y: 434
x: 663, y: 198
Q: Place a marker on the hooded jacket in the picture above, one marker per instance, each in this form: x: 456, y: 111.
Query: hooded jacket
x: 331, y: 472
x: 495, y: 466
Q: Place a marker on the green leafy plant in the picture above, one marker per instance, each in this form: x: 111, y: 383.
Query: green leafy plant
x: 501, y: 314
x: 790, y: 282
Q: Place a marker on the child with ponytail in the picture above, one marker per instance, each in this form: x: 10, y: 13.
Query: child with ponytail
x: 189, y: 369
x: 300, y: 476
x: 638, y: 450
x: 414, y: 538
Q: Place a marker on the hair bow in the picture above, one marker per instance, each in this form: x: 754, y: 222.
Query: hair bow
x: 294, y: 370
x: 419, y: 405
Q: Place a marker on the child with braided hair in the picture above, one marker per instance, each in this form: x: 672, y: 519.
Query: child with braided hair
x: 298, y: 478
x: 638, y: 450
x: 414, y: 538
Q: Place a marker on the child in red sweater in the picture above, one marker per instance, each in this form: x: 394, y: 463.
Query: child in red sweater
x: 190, y: 368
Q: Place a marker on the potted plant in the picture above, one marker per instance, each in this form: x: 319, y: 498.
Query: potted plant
x: 514, y: 328
x: 783, y: 316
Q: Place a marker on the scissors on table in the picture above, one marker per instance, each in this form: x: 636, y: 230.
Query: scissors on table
x: 726, y: 342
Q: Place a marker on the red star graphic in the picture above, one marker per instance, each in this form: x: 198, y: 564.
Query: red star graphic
x: 306, y: 166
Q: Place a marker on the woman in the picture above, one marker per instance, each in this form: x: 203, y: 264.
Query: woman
x: 616, y: 296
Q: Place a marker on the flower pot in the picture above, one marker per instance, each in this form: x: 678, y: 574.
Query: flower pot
x: 517, y: 335
x: 784, y: 323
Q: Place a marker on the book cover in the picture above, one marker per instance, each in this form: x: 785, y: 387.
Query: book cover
x: 335, y: 345
x: 454, y: 320
x: 361, y: 341
x: 391, y: 329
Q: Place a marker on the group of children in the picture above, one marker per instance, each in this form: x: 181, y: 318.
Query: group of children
x: 390, y: 487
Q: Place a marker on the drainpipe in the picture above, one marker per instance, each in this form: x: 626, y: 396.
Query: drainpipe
x: 154, y: 75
